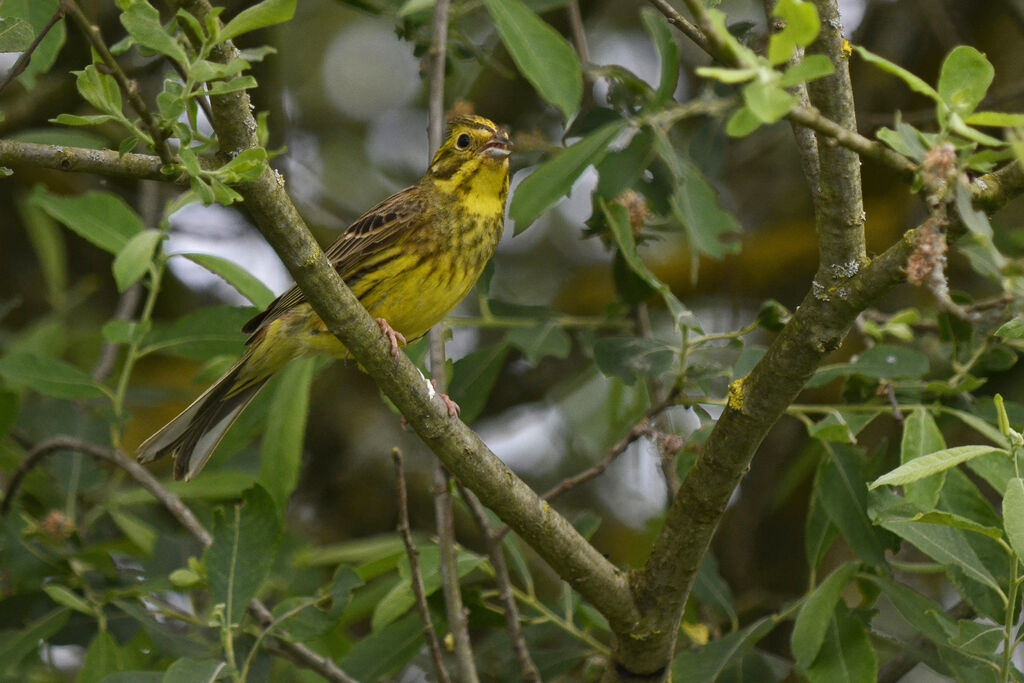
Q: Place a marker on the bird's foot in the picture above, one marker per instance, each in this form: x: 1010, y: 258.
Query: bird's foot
x: 452, y: 406
x: 396, y: 338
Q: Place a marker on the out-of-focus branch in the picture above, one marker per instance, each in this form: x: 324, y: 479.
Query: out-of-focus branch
x: 416, y: 577
x: 461, y: 450
x: 527, y: 668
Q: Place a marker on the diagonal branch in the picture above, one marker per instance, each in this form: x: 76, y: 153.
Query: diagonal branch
x: 458, y: 447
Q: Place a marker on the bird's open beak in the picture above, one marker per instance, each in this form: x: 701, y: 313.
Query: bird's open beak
x: 498, y: 147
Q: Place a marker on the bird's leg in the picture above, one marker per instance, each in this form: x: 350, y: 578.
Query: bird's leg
x: 396, y: 338
x: 452, y: 406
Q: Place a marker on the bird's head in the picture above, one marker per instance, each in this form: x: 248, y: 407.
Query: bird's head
x: 475, y: 152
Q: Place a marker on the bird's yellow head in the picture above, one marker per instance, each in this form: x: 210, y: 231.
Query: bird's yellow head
x: 473, y: 159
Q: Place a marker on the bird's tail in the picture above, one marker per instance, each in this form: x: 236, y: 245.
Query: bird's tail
x: 193, y: 434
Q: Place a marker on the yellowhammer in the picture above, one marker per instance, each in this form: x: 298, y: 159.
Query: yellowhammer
x: 410, y: 260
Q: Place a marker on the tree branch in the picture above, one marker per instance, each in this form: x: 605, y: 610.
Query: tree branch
x: 416, y: 577
x: 461, y: 450
x: 106, y: 162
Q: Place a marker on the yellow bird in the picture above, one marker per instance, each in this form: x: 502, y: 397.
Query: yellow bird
x: 409, y: 260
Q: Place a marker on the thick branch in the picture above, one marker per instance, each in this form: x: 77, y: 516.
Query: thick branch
x: 105, y: 162
x: 461, y: 450
x: 839, y: 206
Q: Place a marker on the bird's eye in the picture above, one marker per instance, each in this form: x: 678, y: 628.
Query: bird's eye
x: 462, y: 142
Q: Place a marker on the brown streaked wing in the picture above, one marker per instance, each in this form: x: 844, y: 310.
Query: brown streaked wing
x: 377, y: 228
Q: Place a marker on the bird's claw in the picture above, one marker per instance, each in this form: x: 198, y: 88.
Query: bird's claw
x: 452, y: 406
x: 396, y: 338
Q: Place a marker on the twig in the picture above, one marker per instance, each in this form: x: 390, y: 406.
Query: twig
x: 416, y: 577
x: 126, y: 306
x: 130, y: 87
x: 23, y: 61
x: 803, y: 115
x: 504, y: 584
x: 579, y: 37
x: 296, y: 652
x: 438, y: 59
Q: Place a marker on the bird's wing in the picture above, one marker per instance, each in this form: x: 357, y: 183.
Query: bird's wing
x: 376, y: 229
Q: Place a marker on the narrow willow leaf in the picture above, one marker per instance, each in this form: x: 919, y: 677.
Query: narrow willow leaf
x: 996, y: 119
x: 243, y: 550
x: 554, y: 178
x: 913, y: 82
x: 933, y: 463
x: 16, y: 643
x: 202, y: 334
x: 281, y: 449
x: 813, y: 619
x: 839, y: 488
x: 945, y: 545
x: 811, y: 67
x: 401, y: 640
x: 964, y: 79
x: 48, y: 376
x: 708, y: 663
x: 266, y: 13
x: 133, y: 260
x: 186, y: 670
x: 247, y: 284
x: 541, y: 54
x: 101, y: 658
x: 957, y: 522
x: 668, y: 54
x: 847, y: 654
x: 921, y: 436
x: 99, y: 217
x: 62, y: 595
x: 1013, y: 514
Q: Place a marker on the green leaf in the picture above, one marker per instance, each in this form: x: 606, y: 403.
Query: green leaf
x: 124, y: 331
x: 133, y: 260
x: 15, y: 34
x: 202, y: 334
x: 243, y: 550
x: 90, y: 120
x: 979, y: 425
x: 235, y: 275
x: 205, y: 70
x: 385, y: 651
x: 925, y: 615
x: 839, y: 488
x: 1012, y: 329
x: 215, y: 485
x: 48, y: 376
x: 100, y: 217
x: 37, y: 13
x: 711, y: 230
x: 726, y: 75
x: 996, y: 119
x: 1013, y: 514
x: 717, y: 657
x: 921, y: 436
x: 912, y: 81
x: 281, y: 450
x: 541, y: 54
x: 62, y: 595
x: 812, y: 621
x: 540, y: 341
x: 819, y: 533
x: 742, y: 123
x: 630, y: 357
x: 907, y: 140
x: 847, y: 655
x: 956, y: 522
x: 810, y: 68
x: 473, y: 378
x: 234, y: 85
x: 101, y: 658
x: 832, y: 428
x: 142, y: 22
x: 188, y: 670
x: 554, y: 178
x: 9, y: 408
x: 975, y: 219
x: 945, y: 545
x: 767, y: 101
x: 668, y: 54
x: 883, y: 361
x: 17, y: 642
x: 138, y: 532
x: 932, y: 463
x: 400, y: 598
x: 243, y: 167
x: 316, y: 617
x: 964, y: 79
x: 617, y: 217
x: 801, y: 28
x: 266, y: 13
x: 712, y: 590
x: 100, y: 90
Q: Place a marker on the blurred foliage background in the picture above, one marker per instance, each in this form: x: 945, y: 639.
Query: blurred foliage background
x: 346, y: 102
